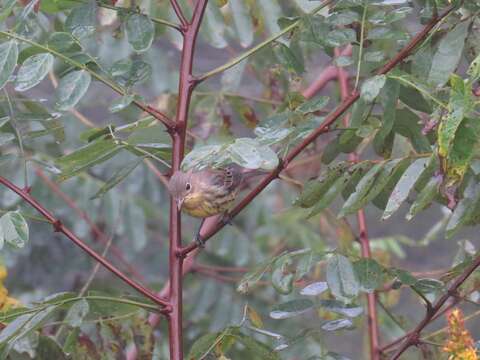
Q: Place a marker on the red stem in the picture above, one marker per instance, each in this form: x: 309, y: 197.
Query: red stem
x: 99, y: 234
x: 414, y: 336
x: 372, y: 318
x: 179, y: 12
x: 59, y: 227
x: 186, y: 85
x: 324, y: 127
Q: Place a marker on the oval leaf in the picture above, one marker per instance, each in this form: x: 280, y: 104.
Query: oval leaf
x: 140, y: 31
x: 33, y: 70
x: 71, y: 89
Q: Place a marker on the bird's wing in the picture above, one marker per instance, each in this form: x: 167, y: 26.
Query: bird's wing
x: 227, y: 178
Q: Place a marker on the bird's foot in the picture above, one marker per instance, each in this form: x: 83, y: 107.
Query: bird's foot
x: 226, y: 219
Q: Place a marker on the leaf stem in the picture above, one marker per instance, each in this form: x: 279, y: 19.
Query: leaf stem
x: 360, y: 50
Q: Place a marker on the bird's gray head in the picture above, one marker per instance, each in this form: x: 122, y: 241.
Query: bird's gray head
x: 180, y: 185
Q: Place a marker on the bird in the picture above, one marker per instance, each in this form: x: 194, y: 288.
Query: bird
x: 207, y: 192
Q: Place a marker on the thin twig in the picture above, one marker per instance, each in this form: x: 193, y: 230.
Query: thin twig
x: 59, y: 227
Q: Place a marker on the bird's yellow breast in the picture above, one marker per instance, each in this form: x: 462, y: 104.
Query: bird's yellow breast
x: 197, y: 205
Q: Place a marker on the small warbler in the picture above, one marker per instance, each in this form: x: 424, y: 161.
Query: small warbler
x: 207, y: 192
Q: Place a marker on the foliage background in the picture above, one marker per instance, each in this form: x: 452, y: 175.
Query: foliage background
x: 48, y: 121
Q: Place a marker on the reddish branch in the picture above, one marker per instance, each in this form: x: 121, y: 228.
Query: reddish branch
x: 324, y: 127
x: 99, y: 234
x: 59, y: 227
x: 185, y: 88
x: 372, y: 319
x: 414, y: 336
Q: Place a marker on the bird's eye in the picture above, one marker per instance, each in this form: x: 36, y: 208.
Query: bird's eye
x: 188, y: 186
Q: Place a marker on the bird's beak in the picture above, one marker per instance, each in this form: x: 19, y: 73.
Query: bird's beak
x: 179, y: 203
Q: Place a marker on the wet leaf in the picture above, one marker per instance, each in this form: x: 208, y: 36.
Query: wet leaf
x: 81, y: 21
x: 13, y: 230
x: 140, y: 31
x: 371, y: 87
x: 341, y: 278
x: 8, y: 61
x: 369, y: 274
x: 33, y: 70
x: 71, y: 88
x: 291, y: 308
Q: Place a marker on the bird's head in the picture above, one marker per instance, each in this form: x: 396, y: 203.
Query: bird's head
x: 181, y: 187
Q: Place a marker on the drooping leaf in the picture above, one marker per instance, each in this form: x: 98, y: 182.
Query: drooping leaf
x: 340, y: 324
x: 13, y: 229
x: 77, y: 313
x: 140, y: 31
x: 282, y: 275
x: 33, y: 70
x: 350, y: 310
x: 291, y: 308
x: 389, y: 97
x: 314, y: 289
x: 314, y: 190
x: 314, y: 104
x: 465, y: 210
x: 118, y: 177
x: 71, y: 89
x: 448, y: 54
x: 87, y: 156
x: 243, y: 21
x: 8, y: 61
x: 425, y: 198
x: 404, y: 186
x: 341, y: 278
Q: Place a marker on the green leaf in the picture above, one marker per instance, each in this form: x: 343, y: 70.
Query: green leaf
x: 332, y: 192
x: 459, y: 106
x: 87, y: 156
x: 6, y: 138
x: 250, y: 154
x: 427, y: 286
x: 341, y: 278
x: 13, y: 229
x: 205, y: 344
x: 289, y: 59
x: 465, y: 210
x: 140, y: 31
x: 129, y: 73
x: 371, y: 87
x: 213, y: 27
x: 121, y: 103
x: 77, y: 313
x: 339, y: 324
x: 339, y: 307
x: 314, y: 289
x: 474, y: 69
x: 461, y: 154
x: 414, y: 99
x: 118, y: 177
x: 312, y: 105
x: 33, y: 70
x: 359, y: 197
x: 48, y: 349
x: 448, y: 54
x: 291, y: 308
x: 8, y: 61
x: 425, y: 198
x: 71, y: 89
x: 404, y: 186
x: 369, y: 274
x: 260, y: 350
x: 389, y: 97
x: 63, y: 42
x: 407, y: 124
x: 314, y: 190
x: 340, y: 37
x: 282, y: 275
x: 81, y: 21
x: 242, y: 21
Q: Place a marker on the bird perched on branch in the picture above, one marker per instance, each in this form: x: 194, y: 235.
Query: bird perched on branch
x: 208, y: 192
